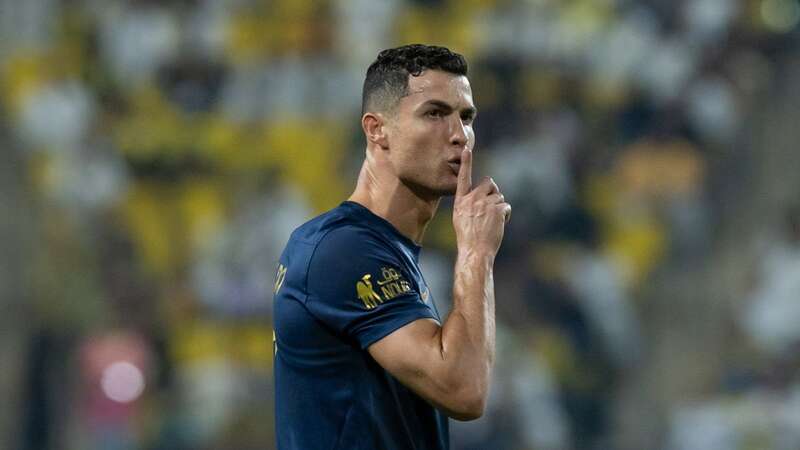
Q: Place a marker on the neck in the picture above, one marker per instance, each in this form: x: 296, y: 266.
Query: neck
x: 387, y: 197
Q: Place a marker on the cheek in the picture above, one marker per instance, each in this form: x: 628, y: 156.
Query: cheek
x: 418, y: 142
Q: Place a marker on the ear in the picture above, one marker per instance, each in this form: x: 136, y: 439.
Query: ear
x: 374, y: 127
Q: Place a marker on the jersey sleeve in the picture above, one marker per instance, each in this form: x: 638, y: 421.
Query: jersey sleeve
x: 357, y: 286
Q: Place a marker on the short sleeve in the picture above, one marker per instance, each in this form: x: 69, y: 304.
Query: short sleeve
x: 358, y: 286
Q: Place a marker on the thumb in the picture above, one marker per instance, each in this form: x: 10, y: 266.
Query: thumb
x: 464, y: 174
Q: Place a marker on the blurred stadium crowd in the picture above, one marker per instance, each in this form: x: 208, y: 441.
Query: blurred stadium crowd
x: 157, y: 154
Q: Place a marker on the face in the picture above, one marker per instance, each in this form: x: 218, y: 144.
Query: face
x: 429, y: 129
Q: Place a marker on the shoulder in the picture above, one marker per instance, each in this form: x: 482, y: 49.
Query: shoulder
x: 336, y: 226
x: 349, y: 243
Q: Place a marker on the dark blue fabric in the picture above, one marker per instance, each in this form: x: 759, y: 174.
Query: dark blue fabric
x: 347, y: 279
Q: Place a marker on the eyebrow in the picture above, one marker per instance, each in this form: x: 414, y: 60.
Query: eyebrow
x: 471, y: 111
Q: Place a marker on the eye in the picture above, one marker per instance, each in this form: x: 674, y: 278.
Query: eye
x: 467, y: 118
x: 435, y: 113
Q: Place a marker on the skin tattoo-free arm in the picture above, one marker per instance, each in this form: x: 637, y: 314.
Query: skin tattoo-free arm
x: 450, y: 365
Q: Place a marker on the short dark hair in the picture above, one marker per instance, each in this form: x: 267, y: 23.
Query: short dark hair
x: 387, y: 77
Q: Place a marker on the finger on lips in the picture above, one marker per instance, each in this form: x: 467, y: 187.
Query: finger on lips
x: 465, y: 174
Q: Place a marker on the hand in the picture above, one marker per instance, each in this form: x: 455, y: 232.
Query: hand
x: 479, y: 213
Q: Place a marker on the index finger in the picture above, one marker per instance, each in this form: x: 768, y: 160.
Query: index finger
x: 464, y: 173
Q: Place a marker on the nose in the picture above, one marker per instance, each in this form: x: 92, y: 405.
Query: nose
x: 458, y: 132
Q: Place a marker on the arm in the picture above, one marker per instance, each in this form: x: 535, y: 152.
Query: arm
x: 450, y: 366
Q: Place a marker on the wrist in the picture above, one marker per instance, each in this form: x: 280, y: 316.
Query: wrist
x: 477, y: 254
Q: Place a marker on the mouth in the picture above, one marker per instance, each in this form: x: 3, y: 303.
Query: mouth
x: 455, y: 166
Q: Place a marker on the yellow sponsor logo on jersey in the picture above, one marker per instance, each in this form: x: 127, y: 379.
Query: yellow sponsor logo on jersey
x: 393, y: 283
x: 390, y: 287
x: 389, y: 275
x: 366, y: 293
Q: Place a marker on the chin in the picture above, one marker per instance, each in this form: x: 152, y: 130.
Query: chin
x: 445, y: 191
x: 427, y: 191
x: 447, y: 187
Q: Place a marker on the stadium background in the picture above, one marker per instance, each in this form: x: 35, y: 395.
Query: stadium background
x: 156, y: 154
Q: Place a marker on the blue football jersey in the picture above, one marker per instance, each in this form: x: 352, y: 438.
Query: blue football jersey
x: 346, y: 279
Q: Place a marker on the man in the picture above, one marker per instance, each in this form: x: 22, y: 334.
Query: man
x: 362, y: 358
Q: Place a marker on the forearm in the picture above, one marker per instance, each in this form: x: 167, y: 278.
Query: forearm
x: 468, y: 334
x: 450, y: 365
